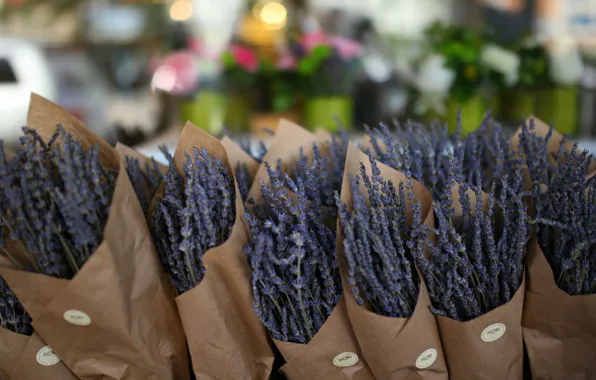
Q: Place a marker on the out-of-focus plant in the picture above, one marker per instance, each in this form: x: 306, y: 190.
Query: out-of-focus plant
x: 328, y: 65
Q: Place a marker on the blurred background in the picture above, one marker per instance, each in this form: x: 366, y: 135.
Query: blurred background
x: 135, y: 70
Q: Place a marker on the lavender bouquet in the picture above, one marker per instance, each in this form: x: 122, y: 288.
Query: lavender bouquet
x: 560, y: 302
x: 475, y: 266
x: 196, y: 222
x: 563, y: 207
x: 380, y: 213
x: 479, y: 158
x: 565, y: 234
x: 475, y: 277
x: 376, y: 244
x: 195, y: 214
x: 295, y: 274
x: 70, y: 206
x: 145, y: 180
x: 57, y: 200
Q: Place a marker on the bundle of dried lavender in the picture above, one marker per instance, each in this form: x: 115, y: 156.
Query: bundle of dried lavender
x: 295, y: 275
x: 328, y: 167
x: 12, y: 314
x: 244, y: 180
x: 565, y: 209
x: 57, y: 198
x: 196, y: 213
x: 379, y: 245
x: 145, y: 181
x: 480, y: 157
x: 476, y: 261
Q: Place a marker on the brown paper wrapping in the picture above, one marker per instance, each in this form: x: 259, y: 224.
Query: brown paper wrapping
x: 392, y: 346
x: 225, y: 338
x: 559, y: 329
x: 18, y: 353
x: 285, y: 146
x: 238, y: 156
x: 468, y: 355
x: 134, y: 330
x: 314, y: 360
x: 18, y: 359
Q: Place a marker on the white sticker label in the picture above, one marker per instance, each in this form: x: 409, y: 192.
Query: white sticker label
x: 77, y: 317
x: 493, y: 332
x: 426, y: 359
x: 46, y: 356
x: 345, y: 359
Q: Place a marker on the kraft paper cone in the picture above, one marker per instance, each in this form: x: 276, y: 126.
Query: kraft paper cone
x: 116, y: 319
x: 44, y: 115
x: 332, y: 354
x: 238, y: 156
x: 25, y: 357
x: 471, y: 354
x: 225, y: 338
x: 559, y: 329
x: 489, y: 346
x: 394, y: 348
x: 335, y: 339
x: 285, y: 147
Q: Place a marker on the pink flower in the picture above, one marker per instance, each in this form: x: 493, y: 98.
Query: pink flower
x: 195, y: 45
x: 312, y: 40
x: 245, y: 57
x: 346, y: 48
x: 286, y: 61
x: 177, y: 73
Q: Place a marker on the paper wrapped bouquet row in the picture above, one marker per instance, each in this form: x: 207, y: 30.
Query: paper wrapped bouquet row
x: 416, y: 254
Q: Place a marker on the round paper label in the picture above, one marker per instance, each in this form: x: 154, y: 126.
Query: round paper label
x: 493, y: 332
x: 46, y: 356
x: 77, y: 317
x: 426, y: 359
x: 345, y: 359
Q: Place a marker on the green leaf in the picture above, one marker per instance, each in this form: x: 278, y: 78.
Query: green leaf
x: 321, y: 52
x: 228, y: 60
x: 283, y: 101
x: 306, y: 66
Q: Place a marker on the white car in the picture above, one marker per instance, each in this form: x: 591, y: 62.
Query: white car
x: 23, y: 69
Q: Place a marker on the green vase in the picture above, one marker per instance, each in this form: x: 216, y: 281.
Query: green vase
x: 494, y: 104
x: 472, y: 113
x: 323, y: 112
x: 238, y: 112
x: 559, y: 106
x: 206, y: 110
x: 518, y: 104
